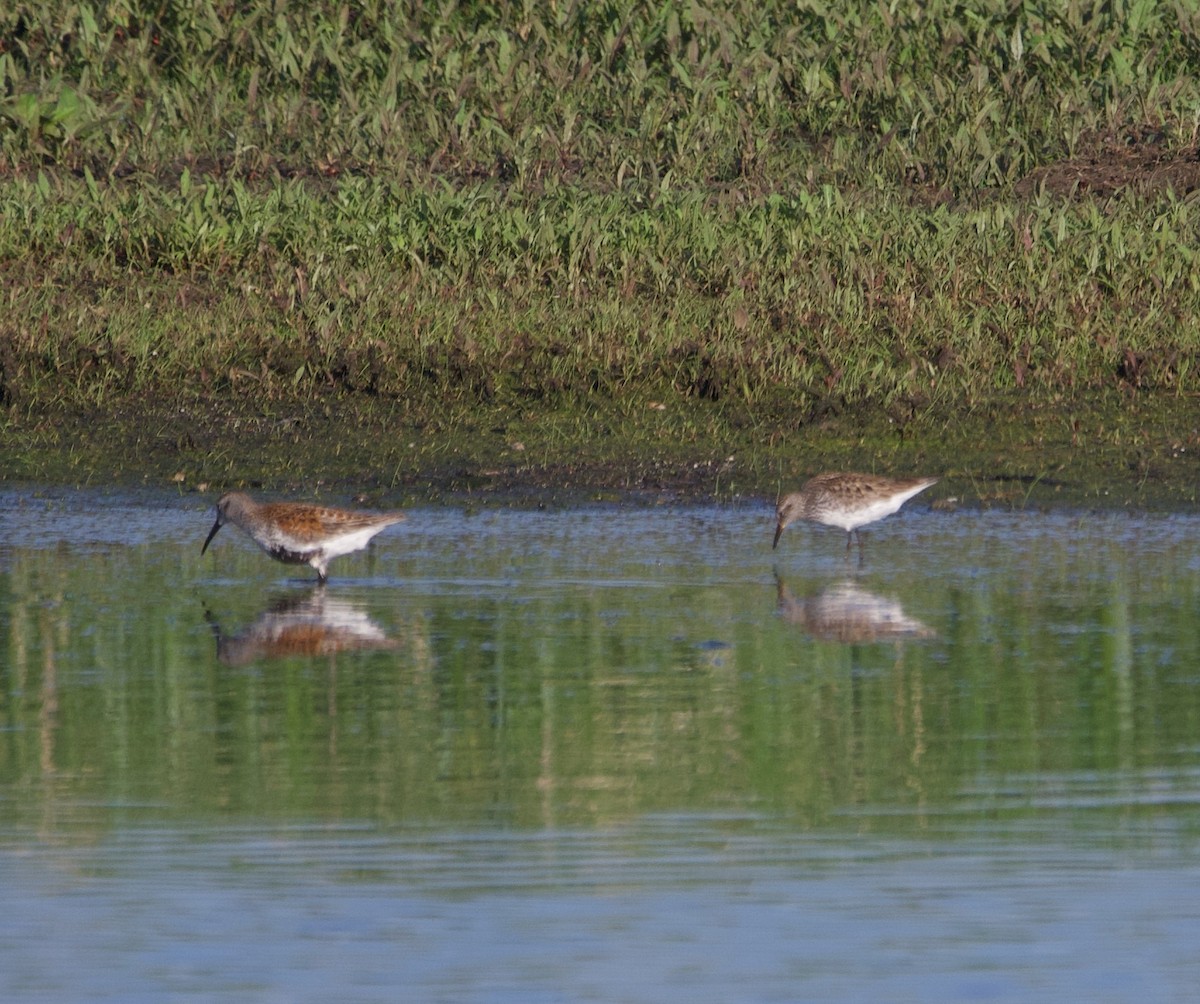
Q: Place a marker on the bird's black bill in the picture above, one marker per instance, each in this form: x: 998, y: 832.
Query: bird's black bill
x: 778, y: 531
x: 211, y: 533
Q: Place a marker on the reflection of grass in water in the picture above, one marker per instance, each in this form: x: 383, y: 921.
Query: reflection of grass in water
x: 531, y: 698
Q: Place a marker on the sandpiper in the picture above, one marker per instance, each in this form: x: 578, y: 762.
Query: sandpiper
x: 299, y: 533
x: 847, y: 500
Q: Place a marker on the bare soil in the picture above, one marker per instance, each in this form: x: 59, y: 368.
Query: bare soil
x: 1116, y: 450
x: 1138, y: 162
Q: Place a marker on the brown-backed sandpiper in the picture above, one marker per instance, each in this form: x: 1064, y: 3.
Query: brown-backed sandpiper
x: 299, y: 533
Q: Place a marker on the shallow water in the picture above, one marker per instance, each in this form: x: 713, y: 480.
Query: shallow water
x: 612, y: 754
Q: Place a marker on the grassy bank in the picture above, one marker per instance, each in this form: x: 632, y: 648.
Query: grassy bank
x: 615, y: 94
x: 818, y: 300
x: 781, y: 223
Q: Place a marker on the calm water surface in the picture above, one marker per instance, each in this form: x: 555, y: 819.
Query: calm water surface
x: 606, y: 754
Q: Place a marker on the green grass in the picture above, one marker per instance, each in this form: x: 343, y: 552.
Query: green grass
x: 785, y: 211
x: 606, y: 94
x: 820, y: 300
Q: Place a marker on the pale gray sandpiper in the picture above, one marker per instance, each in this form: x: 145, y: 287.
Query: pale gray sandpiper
x: 847, y: 501
x: 299, y: 533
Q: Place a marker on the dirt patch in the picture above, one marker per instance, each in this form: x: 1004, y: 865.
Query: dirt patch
x: 1137, y: 162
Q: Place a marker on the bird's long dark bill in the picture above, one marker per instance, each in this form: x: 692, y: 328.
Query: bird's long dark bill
x: 774, y: 543
x: 211, y: 533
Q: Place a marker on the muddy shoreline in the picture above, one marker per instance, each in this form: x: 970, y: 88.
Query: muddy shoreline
x: 1099, y: 451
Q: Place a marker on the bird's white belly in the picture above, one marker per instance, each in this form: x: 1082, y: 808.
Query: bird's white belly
x: 348, y: 542
x: 862, y: 516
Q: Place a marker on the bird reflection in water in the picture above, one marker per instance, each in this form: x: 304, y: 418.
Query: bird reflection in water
x: 848, y: 613
x: 305, y: 624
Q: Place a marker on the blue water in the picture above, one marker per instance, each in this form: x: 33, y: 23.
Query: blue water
x: 671, y: 909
